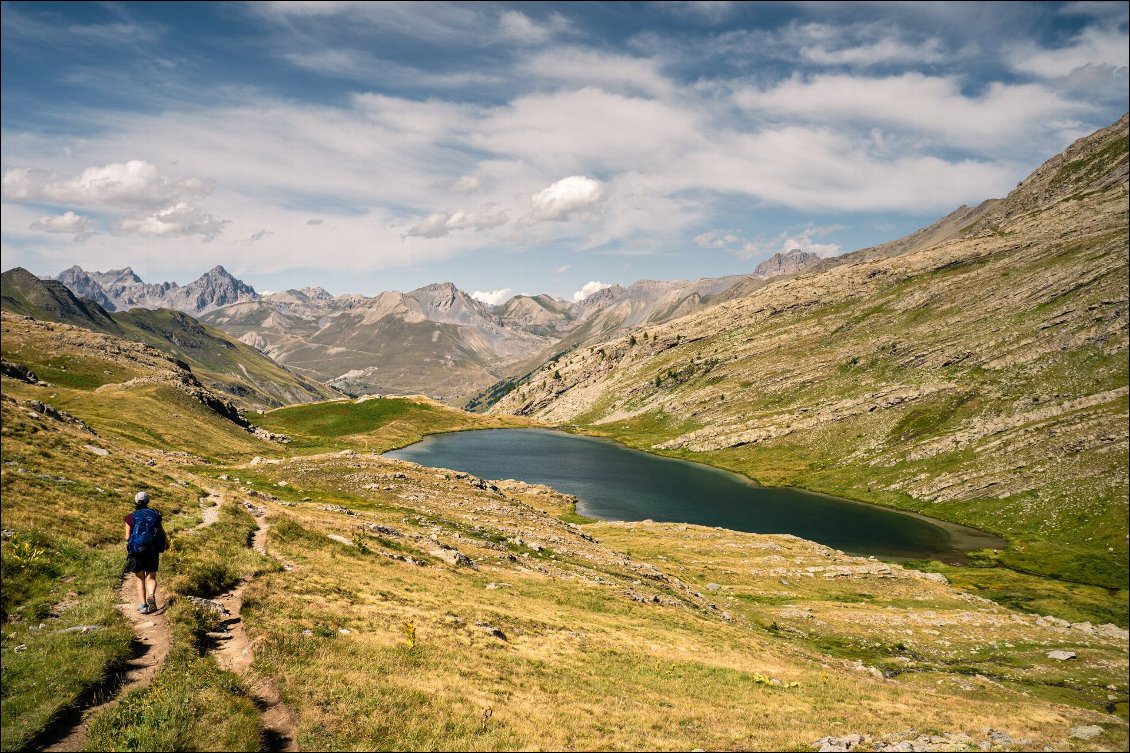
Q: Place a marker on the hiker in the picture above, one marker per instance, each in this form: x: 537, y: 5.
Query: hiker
x: 145, y: 540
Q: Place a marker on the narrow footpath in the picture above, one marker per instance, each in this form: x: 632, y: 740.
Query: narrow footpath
x: 234, y: 652
x: 152, y: 638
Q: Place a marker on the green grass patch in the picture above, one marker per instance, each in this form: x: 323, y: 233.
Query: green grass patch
x: 191, y: 704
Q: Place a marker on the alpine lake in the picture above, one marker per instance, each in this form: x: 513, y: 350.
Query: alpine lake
x: 613, y: 482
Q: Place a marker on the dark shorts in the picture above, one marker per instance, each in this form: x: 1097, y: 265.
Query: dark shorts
x: 142, y: 563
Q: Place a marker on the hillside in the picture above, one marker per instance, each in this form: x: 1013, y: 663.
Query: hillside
x: 461, y: 613
x: 981, y: 379
x: 224, y: 364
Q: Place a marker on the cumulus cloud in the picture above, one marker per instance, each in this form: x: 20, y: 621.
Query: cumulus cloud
x: 68, y: 223
x: 181, y: 219
x: 567, y: 197
x: 135, y: 183
x: 589, y: 288
x: 789, y: 241
x: 491, y: 297
x: 440, y: 224
x: 716, y: 239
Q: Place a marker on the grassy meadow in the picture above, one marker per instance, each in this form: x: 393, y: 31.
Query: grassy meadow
x: 428, y: 609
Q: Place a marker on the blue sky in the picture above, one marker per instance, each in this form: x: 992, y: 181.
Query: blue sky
x: 525, y: 147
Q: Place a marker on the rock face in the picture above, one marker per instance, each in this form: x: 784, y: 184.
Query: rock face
x: 122, y: 289
x: 215, y: 288
x: 988, y: 367
x: 81, y: 284
x: 789, y: 263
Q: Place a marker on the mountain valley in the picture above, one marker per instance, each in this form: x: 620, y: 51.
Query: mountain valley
x: 975, y: 371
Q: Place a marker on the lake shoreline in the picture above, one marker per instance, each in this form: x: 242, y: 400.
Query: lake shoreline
x: 884, y: 532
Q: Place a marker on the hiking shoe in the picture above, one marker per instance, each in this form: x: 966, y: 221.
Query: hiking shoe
x: 144, y: 609
x: 152, y: 604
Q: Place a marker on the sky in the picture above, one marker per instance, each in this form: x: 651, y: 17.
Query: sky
x: 523, y: 147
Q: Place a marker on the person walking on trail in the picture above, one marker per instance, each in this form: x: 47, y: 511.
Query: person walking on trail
x: 145, y: 540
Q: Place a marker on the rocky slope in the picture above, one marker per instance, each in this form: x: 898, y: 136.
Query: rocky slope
x: 224, y: 364
x: 439, y: 341
x: 982, y: 378
x: 788, y: 263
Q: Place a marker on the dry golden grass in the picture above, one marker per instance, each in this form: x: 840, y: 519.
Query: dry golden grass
x: 583, y: 665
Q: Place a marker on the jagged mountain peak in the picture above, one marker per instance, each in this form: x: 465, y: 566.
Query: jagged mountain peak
x: 316, y: 293
x: 788, y: 263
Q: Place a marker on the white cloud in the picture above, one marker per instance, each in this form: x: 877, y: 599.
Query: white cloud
x: 467, y: 184
x: 585, y: 67
x: 68, y: 223
x: 572, y: 132
x: 566, y: 197
x: 1094, y: 45
x: 562, y: 268
x: 517, y: 26
x: 135, y: 183
x: 442, y: 223
x: 789, y: 241
x: 716, y: 239
x: 491, y: 297
x: 874, y: 53
x: 314, y: 221
x: 260, y: 235
x: 181, y: 219
x: 588, y: 289
x: 928, y: 105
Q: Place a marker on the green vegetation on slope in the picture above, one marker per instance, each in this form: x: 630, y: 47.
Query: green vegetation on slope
x: 377, y: 424
x: 234, y: 368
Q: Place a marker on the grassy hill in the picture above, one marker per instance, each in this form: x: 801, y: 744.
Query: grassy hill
x: 982, y: 379
x: 402, y: 607
x: 225, y: 364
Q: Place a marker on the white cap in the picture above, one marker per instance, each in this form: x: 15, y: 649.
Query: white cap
x: 142, y: 498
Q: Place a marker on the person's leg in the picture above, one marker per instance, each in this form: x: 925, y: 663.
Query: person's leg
x: 140, y: 586
x: 151, y: 587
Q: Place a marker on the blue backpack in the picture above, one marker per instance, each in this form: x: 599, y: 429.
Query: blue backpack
x: 146, y: 535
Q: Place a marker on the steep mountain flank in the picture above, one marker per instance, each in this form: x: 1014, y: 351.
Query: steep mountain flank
x: 215, y: 288
x: 981, y: 379
x: 23, y: 293
x: 224, y: 364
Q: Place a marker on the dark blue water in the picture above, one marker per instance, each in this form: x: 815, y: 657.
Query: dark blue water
x: 613, y: 482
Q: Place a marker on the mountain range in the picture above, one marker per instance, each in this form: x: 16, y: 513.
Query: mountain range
x: 435, y: 340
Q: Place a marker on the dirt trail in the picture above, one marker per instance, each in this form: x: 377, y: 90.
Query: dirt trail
x: 152, y: 638
x: 235, y: 652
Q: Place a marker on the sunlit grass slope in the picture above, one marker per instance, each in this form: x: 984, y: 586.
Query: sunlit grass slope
x: 376, y: 424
